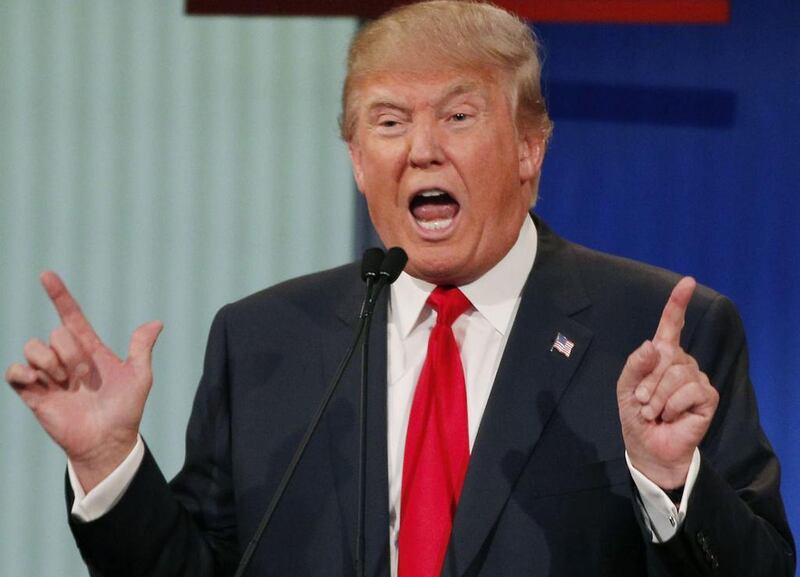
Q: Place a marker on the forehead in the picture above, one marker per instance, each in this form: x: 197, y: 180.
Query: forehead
x: 431, y: 87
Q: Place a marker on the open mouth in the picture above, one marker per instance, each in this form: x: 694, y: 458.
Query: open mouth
x: 434, y: 209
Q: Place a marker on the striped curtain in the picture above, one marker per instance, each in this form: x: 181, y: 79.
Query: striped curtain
x: 164, y: 165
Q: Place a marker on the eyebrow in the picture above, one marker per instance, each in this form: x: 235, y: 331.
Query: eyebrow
x: 385, y: 103
x: 460, y: 88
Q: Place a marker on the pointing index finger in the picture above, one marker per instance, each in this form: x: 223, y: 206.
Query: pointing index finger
x: 672, y: 318
x: 69, y: 311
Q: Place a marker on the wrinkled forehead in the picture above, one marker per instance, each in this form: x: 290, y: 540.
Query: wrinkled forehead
x: 426, y: 82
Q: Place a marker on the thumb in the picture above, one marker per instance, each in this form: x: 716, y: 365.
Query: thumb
x: 143, y: 339
x: 639, y: 365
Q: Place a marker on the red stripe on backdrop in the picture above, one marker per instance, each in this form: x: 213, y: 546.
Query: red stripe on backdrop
x: 624, y: 11
x: 588, y: 11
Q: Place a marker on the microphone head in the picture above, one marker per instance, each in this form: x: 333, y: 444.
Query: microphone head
x: 371, y: 262
x: 393, y: 264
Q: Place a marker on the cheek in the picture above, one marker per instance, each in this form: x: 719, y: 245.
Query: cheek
x: 491, y: 153
x: 498, y: 192
x: 383, y: 169
x: 493, y: 170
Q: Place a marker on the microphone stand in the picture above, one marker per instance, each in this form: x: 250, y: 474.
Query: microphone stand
x: 391, y: 268
x: 386, y: 275
x: 362, y: 442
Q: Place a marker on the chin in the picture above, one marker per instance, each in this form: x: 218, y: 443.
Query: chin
x: 438, y: 271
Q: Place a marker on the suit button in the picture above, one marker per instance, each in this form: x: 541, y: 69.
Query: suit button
x: 702, y: 540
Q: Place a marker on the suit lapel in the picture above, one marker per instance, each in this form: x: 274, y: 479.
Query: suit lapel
x: 342, y: 424
x: 527, y: 389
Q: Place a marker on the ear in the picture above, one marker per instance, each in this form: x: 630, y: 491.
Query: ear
x: 531, y: 154
x: 354, y: 150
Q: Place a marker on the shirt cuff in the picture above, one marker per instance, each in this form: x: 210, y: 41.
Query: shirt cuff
x: 100, y: 500
x: 665, y: 518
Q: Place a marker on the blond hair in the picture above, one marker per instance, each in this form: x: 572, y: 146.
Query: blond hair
x: 450, y: 33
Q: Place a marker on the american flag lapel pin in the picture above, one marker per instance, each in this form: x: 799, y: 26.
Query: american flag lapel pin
x: 563, y: 345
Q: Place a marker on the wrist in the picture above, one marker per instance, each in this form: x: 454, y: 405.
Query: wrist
x: 669, y: 478
x: 92, y: 467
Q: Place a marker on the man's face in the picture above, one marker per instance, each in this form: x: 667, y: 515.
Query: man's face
x: 445, y: 172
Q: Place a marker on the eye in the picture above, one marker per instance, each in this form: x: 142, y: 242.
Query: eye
x: 462, y: 118
x: 389, y: 124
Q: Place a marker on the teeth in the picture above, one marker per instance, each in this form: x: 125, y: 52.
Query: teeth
x: 435, y: 224
x: 432, y: 193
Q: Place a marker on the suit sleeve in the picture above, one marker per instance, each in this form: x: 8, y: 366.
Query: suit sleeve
x: 736, y: 524
x: 184, y: 528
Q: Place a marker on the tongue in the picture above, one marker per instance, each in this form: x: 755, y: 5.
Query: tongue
x: 430, y: 211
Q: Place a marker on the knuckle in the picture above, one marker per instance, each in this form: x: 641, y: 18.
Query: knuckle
x: 31, y: 347
x: 671, y: 373
x: 630, y: 365
x: 658, y: 397
x: 692, y: 376
x: 673, y: 411
x: 682, y: 373
x: 57, y: 334
x: 695, y: 389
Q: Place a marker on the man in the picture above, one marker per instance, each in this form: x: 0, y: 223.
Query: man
x: 562, y: 412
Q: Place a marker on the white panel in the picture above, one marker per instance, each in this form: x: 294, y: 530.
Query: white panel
x: 164, y: 165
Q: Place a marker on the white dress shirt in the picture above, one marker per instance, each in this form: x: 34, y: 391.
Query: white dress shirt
x: 481, y: 334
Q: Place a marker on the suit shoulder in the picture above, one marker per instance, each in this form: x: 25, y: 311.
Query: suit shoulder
x: 309, y: 295
x: 640, y: 290
x: 605, y: 274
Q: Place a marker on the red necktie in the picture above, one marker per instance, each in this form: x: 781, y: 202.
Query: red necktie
x: 437, y: 446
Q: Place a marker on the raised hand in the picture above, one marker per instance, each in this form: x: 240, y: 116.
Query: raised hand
x: 87, y: 399
x: 666, y: 402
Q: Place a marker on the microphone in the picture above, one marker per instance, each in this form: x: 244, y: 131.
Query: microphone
x: 393, y: 264
x: 370, y: 269
x: 373, y: 266
x: 371, y: 263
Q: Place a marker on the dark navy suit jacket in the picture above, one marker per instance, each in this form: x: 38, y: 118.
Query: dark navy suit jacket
x: 547, y: 492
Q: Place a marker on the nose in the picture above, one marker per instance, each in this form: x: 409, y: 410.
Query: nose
x: 425, y: 147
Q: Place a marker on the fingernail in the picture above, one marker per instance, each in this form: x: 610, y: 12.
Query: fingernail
x: 647, y: 412
x: 82, y: 370
x: 641, y: 394
x: 59, y: 374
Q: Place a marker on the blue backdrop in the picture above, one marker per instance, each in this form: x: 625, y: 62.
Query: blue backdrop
x: 675, y: 145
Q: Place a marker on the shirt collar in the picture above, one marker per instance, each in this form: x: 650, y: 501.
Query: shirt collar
x: 494, y: 295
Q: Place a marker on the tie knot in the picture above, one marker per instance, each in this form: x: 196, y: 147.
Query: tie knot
x: 449, y: 303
